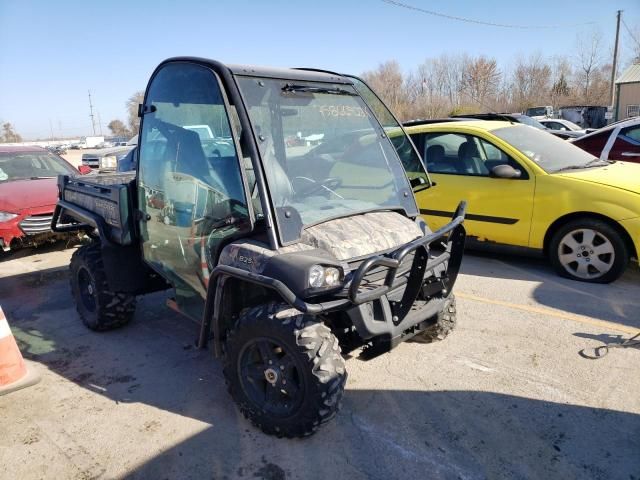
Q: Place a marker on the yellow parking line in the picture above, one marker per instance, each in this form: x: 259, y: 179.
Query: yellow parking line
x: 552, y: 313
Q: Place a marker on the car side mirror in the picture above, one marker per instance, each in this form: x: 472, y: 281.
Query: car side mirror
x: 84, y: 169
x: 505, y: 171
x: 417, y: 182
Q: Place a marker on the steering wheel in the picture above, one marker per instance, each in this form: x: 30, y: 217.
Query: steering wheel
x: 326, y: 185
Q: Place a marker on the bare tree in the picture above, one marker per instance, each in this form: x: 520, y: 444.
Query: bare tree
x: 531, y: 82
x: 588, y: 58
x: 388, y: 82
x: 132, y: 110
x: 118, y: 128
x: 560, y: 78
x: 8, y: 134
x: 480, y: 79
x: 427, y: 98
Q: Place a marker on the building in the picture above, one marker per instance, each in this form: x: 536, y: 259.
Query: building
x: 628, y: 93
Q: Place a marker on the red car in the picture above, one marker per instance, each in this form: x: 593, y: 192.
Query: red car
x: 28, y: 194
x: 618, y: 141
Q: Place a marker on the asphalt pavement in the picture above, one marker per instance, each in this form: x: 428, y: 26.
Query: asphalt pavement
x: 507, y: 395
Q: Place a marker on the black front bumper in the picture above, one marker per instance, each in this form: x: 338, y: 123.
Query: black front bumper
x: 379, y: 311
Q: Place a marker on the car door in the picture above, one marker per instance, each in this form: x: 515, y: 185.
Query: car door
x: 498, y: 209
x: 626, y: 146
x: 190, y: 194
x: 594, y: 143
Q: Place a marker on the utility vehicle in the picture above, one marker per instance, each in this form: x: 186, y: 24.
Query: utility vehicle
x: 288, y: 254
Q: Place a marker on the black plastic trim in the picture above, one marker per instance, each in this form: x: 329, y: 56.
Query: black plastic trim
x: 355, y: 298
x: 472, y: 216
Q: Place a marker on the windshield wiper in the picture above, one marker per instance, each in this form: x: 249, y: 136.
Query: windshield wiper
x: 290, y: 87
x: 590, y: 163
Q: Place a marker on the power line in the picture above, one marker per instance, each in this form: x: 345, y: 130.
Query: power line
x: 630, y: 34
x: 480, y: 22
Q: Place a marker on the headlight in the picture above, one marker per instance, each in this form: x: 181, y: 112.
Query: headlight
x: 6, y: 216
x: 110, y: 161
x: 320, y: 276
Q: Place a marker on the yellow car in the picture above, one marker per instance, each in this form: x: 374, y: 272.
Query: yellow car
x: 533, y: 192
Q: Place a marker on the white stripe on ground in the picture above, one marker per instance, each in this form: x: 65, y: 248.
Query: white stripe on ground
x: 551, y: 313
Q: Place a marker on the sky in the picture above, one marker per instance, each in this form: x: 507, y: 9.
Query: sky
x: 53, y: 52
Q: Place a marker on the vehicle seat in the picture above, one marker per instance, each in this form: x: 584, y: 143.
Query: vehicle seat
x: 436, y: 160
x: 282, y: 190
x: 191, y: 160
x: 468, y: 158
x: 280, y: 186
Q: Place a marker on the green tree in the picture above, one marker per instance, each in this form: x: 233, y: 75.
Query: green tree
x: 8, y: 135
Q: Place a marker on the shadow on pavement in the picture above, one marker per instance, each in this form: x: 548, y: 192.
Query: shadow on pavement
x: 55, y: 246
x: 617, y: 302
x: 379, y: 434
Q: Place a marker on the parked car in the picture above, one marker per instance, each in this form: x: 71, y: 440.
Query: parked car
x: 426, y: 121
x: 129, y: 162
x: 531, y: 192
x: 618, y: 141
x: 106, y: 160
x: 539, y: 113
x: 587, y: 116
x: 28, y: 195
x: 562, y: 125
x: 520, y: 118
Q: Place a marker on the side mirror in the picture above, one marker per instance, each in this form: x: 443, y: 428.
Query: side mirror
x: 84, y: 169
x: 505, y: 171
x: 417, y: 182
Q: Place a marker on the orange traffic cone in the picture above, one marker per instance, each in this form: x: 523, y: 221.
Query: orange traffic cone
x: 14, y: 372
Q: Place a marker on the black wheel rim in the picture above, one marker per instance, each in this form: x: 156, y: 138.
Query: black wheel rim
x: 271, y: 377
x: 87, y: 290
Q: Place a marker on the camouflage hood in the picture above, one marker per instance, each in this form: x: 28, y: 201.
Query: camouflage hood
x: 344, y: 238
x: 360, y: 235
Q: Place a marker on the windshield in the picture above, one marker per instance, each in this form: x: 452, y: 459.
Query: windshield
x: 551, y: 153
x: 31, y: 165
x: 571, y: 126
x: 531, y: 122
x: 536, y: 111
x: 324, y: 155
x: 414, y: 167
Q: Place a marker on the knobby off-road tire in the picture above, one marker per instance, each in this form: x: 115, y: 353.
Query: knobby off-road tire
x: 284, y: 370
x: 588, y: 250
x: 445, y: 323
x: 99, y: 308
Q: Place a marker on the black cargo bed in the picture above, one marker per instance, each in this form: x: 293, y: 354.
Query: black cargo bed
x: 103, y: 201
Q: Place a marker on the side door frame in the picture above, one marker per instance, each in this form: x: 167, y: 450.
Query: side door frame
x: 507, y: 149
x: 231, y: 97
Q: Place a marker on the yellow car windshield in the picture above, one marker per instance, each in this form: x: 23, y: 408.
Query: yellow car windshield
x: 551, y: 153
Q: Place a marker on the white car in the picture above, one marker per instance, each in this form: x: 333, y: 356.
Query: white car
x: 562, y: 124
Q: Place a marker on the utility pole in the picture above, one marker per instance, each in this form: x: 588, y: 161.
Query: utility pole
x: 51, y: 130
x: 99, y: 123
x: 612, y: 92
x: 93, y: 123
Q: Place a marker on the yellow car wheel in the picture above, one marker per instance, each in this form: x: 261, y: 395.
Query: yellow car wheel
x: 589, y: 250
